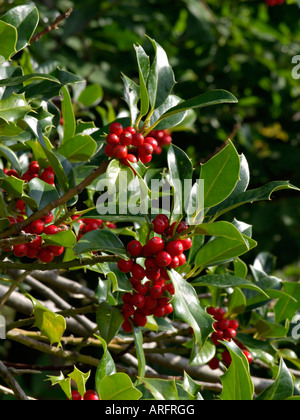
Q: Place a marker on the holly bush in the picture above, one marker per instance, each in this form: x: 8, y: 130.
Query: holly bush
x: 122, y: 276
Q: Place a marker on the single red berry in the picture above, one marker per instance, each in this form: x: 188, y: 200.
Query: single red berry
x: 155, y: 245
x: 134, y: 282
x: 127, y: 310
x: 153, y: 275
x: 45, y: 255
x: 20, y: 250
x: 146, y: 149
x: 233, y: 324
x: 130, y: 158
x: 126, y: 326
x: 48, y: 218
x: 223, y: 324
x: 143, y: 289
x: 163, y: 259
x: 51, y: 230
x: 76, y: 396
x: 146, y: 252
x: 91, y: 396
x: 229, y: 334
x: 150, y: 302
x: 34, y: 167
x: 91, y: 227
x: 138, y: 301
x: 126, y: 138
x: 212, y: 311
x: 168, y: 309
x: 164, y: 274
x: 174, y: 248
x: 139, y: 318
x: 249, y: 356
x: 166, y: 140
x: 174, y: 263
x: 170, y: 288
x: 127, y: 298
x: 21, y: 206
x: 138, y: 272
x: 57, y: 250
x: 220, y: 313
x: 151, y: 264
x: 32, y: 253
x: 125, y: 266
x: 37, y: 227
x: 116, y: 128
x: 130, y: 129
x: 145, y: 159
x: 156, y: 292
x: 48, y: 176
x: 187, y: 244
x: 159, y: 312
x: 182, y: 259
x: 214, y: 363
x: 135, y: 248
x: 112, y: 140
x: 120, y: 152
x: 226, y: 357
x: 137, y: 140
x: 217, y: 337
x: 159, y: 226
x: 36, y: 243
x: 158, y: 151
x: 109, y: 150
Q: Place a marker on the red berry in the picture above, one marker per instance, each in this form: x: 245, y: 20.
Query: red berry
x: 182, y: 259
x: 32, y: 253
x: 126, y: 326
x: 164, y: 274
x: 37, y: 227
x: 151, y: 264
x: 223, y: 324
x: 127, y: 310
x: 129, y: 159
x: 126, y: 138
x: 51, y: 230
x: 152, y: 141
x: 48, y: 218
x: 187, y: 244
x: 109, y: 151
x: 21, y: 206
x: 138, y: 272
x: 45, y: 255
x: 229, y: 334
x: 163, y: 259
x: 150, y: 302
x: 220, y: 313
x: 34, y: 168
x: 116, y: 128
x: 139, y: 318
x: 120, y: 152
x: 91, y: 396
x: 156, y: 292
x: 226, y: 357
x: 137, y: 139
x: 130, y: 129
x: 214, y: 363
x: 233, y: 324
x: 156, y: 245
x: 170, y: 288
x: 153, y: 275
x: 127, y: 298
x: 143, y: 289
x: 48, y: 176
x: 217, y: 337
x: 174, y: 248
x: 159, y: 226
x: 36, y: 243
x: 138, y: 301
x: 249, y: 356
x: 174, y: 263
x: 146, y: 149
x: 76, y: 396
x: 125, y: 266
x: 112, y: 140
x: 159, y: 311
x: 12, y: 172
x: 168, y: 309
x: 20, y: 250
x: 57, y: 250
x: 135, y: 248
x: 145, y: 159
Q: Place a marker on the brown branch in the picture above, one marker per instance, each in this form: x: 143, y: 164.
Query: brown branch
x: 12, y: 383
x: 58, y: 265
x: 52, y: 27
x: 23, y: 238
x: 18, y: 227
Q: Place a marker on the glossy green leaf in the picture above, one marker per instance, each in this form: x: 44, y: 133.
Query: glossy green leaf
x: 25, y: 19
x: 138, y: 339
x: 237, y: 382
x: 48, y: 322
x: 91, y: 95
x: 106, y: 366
x: 69, y: 123
x: 80, y: 379
x: 79, y: 148
x: 191, y: 387
x: 9, y: 154
x: 42, y: 192
x: 282, y: 388
x: 101, y: 240
x: 131, y: 94
x: 16, y: 80
x: 187, y: 308
x: 161, y: 389
x: 144, y: 69
x: 118, y: 387
x: 220, y: 175
x: 109, y: 321
x: 67, y: 239
x: 8, y: 35
x: 14, y: 108
x: 55, y: 162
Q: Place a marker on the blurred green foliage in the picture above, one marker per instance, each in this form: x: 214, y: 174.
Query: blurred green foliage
x: 244, y: 47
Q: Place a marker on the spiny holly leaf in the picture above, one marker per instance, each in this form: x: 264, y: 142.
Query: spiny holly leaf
x: 64, y: 383
x: 80, y: 379
x: 48, y: 322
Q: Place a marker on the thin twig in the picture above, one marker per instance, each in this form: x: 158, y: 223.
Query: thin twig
x: 12, y: 383
x: 51, y: 27
x: 23, y: 238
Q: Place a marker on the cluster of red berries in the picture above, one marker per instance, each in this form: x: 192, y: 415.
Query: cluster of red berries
x: 274, y: 2
x: 35, y: 249
x: 152, y: 282
x: 89, y: 225
x: 129, y: 146
x: 34, y: 171
x: 225, y: 329
x: 88, y: 396
x: 163, y: 138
